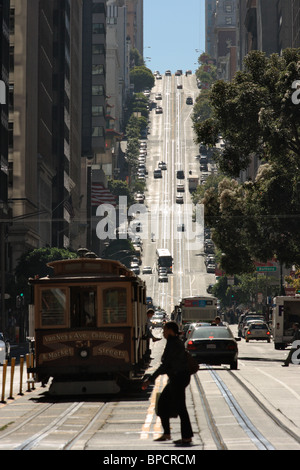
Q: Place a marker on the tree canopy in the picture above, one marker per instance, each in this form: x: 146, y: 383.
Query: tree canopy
x: 141, y: 77
x: 255, y: 115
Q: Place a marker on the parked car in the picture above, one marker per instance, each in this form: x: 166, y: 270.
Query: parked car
x: 135, y: 269
x: 214, y: 345
x: 157, y: 173
x: 4, y: 348
x: 258, y: 331
x: 203, y: 167
x: 158, y: 110
x: 211, y: 268
x: 189, y: 100
x: 158, y: 96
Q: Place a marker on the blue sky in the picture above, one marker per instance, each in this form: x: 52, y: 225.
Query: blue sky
x: 173, y: 29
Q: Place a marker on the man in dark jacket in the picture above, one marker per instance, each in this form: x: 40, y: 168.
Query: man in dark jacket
x: 172, y: 400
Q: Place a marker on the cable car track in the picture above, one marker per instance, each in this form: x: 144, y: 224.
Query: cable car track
x: 55, y: 425
x: 256, y: 437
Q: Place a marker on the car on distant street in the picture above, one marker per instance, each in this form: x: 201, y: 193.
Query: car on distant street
x: 158, y: 320
x: 179, y: 199
x: 180, y: 188
x: 147, y: 270
x: 158, y: 96
x: 162, y: 165
x: 211, y: 268
x: 189, y: 100
x: 180, y: 175
x: 135, y: 269
x: 162, y: 277
x: 168, y: 73
x: 4, y: 349
x: 213, y: 345
x: 258, y: 331
x: 157, y: 173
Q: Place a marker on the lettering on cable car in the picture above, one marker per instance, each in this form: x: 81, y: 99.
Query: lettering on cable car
x: 84, y: 335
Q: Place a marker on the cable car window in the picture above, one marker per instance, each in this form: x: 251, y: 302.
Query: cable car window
x: 53, y: 311
x: 83, y: 306
x: 114, y: 306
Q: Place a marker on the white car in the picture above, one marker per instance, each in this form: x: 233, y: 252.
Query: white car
x: 162, y: 277
x: 147, y: 270
x: 4, y: 349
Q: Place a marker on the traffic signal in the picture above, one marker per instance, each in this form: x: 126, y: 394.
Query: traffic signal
x: 20, y: 299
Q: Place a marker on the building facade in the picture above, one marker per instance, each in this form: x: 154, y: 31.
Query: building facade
x: 44, y: 123
x: 221, y: 17
x: 4, y: 208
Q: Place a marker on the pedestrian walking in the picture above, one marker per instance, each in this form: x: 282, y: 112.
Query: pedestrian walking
x: 296, y: 337
x: 149, y: 334
x: 172, y: 400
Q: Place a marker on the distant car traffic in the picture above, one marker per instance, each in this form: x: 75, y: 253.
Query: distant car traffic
x: 258, y: 331
x: 135, y: 269
x: 158, y: 320
x: 158, y: 96
x: 189, y: 100
x: 147, y: 270
x: 211, y: 268
x: 180, y: 175
x: 158, y: 110
x: 214, y: 345
x: 162, y: 277
x: 162, y: 165
x: 157, y: 173
x: 180, y: 188
x: 4, y: 349
x: 179, y: 199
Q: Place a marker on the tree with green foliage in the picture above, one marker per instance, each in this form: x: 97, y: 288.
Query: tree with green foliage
x: 34, y: 263
x: 255, y: 115
x: 141, y: 77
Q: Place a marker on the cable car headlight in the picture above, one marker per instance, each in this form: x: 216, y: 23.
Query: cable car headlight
x: 84, y: 353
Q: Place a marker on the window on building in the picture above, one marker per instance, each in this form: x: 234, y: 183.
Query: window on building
x: 98, y: 28
x: 97, y: 90
x: 98, y: 131
x: 98, y: 49
x: 97, y: 111
x: 98, y: 69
